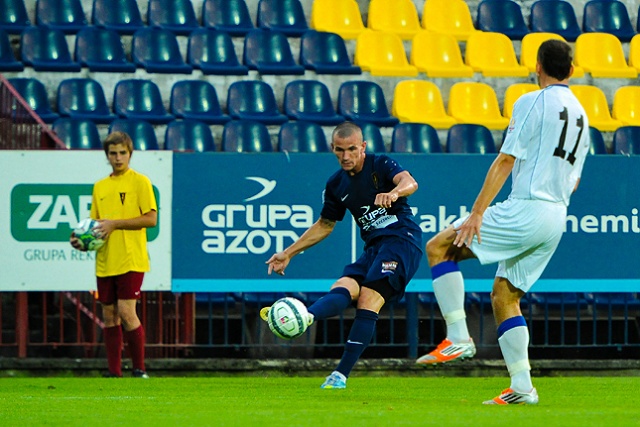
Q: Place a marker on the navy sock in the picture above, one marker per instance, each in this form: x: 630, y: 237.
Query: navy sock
x: 331, y: 304
x: 359, y: 338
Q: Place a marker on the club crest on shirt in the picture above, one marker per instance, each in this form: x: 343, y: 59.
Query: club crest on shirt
x: 389, y: 266
x: 374, y: 177
x: 512, y: 125
x: 122, y: 196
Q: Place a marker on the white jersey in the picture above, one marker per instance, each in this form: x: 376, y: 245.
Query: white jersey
x: 549, y: 137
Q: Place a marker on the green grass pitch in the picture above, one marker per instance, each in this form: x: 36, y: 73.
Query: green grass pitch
x: 298, y: 401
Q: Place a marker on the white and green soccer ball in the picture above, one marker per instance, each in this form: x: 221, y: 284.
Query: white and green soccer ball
x: 288, y: 318
x: 86, y: 235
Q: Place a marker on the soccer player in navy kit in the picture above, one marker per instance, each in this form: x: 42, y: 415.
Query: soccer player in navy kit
x: 374, y: 189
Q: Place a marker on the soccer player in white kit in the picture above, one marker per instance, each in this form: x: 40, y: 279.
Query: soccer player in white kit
x: 544, y: 151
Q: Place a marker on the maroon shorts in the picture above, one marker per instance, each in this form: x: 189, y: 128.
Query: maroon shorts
x: 123, y: 286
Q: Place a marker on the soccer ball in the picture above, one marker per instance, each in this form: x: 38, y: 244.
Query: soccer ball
x: 87, y: 237
x: 288, y: 318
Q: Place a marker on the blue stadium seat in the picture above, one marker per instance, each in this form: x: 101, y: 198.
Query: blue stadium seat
x: 260, y: 299
x: 189, y: 135
x: 46, y: 49
x: 64, y: 15
x: 140, y: 99
x: 286, y: 16
x: 310, y: 100
x: 77, y: 133
x: 626, y: 140
x: 231, y: 16
x: 122, y: 16
x: 8, y: 60
x: 470, y: 138
x: 555, y: 16
x: 607, y: 16
x: 617, y: 300
x: 34, y: 92
x: 373, y: 137
x: 157, y: 51
x: 364, y: 101
x: 83, y: 98
x: 13, y: 16
x: 568, y: 300
x: 418, y: 138
x: 111, y: 56
x: 197, y: 100
x: 302, y: 137
x: 177, y: 16
x: 269, y: 52
x: 212, y: 52
x: 215, y: 300
x: 254, y: 100
x: 326, y: 53
x: 502, y: 16
x: 246, y: 136
x: 141, y: 132
x: 597, y: 142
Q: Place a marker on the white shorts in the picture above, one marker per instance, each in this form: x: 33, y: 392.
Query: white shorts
x: 521, y: 236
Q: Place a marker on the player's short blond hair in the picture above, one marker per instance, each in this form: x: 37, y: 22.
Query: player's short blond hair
x: 115, y: 138
x: 345, y: 130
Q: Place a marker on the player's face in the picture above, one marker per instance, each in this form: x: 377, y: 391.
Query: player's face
x: 350, y: 152
x: 119, y: 157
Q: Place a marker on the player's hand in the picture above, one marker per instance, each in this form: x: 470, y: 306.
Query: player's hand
x: 468, y: 230
x: 385, y: 200
x: 278, y: 262
x: 104, y: 228
x: 75, y: 242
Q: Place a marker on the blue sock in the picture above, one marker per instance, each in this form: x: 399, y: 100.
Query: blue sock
x: 359, y: 338
x: 331, y: 304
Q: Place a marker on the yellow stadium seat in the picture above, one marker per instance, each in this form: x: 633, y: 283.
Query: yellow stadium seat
x: 382, y: 54
x: 476, y: 103
x: 634, y: 52
x: 595, y: 104
x: 514, y: 92
x: 438, y: 55
x: 342, y: 17
x: 449, y: 17
x: 626, y: 105
x: 529, y: 51
x: 394, y: 16
x: 493, y: 55
x: 601, y: 55
x: 420, y: 101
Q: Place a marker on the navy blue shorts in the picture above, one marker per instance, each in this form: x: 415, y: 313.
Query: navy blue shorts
x: 389, y: 263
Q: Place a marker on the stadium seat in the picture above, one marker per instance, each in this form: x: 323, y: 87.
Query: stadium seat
x: 626, y: 140
x: 416, y: 138
x: 311, y: 101
x: 382, y: 54
x: 141, y: 132
x: 595, y: 104
x: 156, y: 50
x: 529, y: 51
x: 628, y: 300
x: 597, y: 145
x: 364, y: 101
x: 438, y: 55
x: 212, y: 52
x: 499, y: 61
x: 77, y: 133
x: 121, y: 16
x: 177, y: 16
x: 268, y: 52
x: 111, y: 56
x: 286, y: 16
x: 555, y: 16
x: 476, y: 103
x: 420, y: 101
x: 399, y: 17
x: 608, y: 16
x: 83, y: 98
x: 8, y: 60
x: 601, y: 55
x: 46, y: 49
x: 634, y: 53
x: 35, y: 94
x: 373, y: 136
x: 140, y: 99
x: 513, y: 92
x: 230, y: 16
x: 196, y: 100
x: 448, y: 17
x: 64, y: 15
x: 325, y: 53
x: 246, y: 136
x: 501, y: 16
x: 188, y: 135
x: 302, y: 137
x: 470, y: 139
x: 337, y: 16
x: 626, y: 105
x: 14, y: 17
x: 254, y: 100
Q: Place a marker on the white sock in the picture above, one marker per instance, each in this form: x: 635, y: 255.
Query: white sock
x: 513, y: 344
x: 449, y: 291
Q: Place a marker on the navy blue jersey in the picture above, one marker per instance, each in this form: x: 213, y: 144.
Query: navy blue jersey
x: 357, y: 193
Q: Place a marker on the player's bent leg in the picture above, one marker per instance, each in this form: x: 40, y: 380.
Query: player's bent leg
x: 510, y: 397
